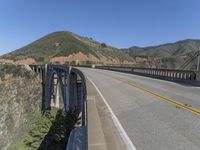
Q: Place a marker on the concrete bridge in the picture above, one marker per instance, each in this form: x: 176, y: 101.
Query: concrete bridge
x: 129, y: 108
x: 64, y: 86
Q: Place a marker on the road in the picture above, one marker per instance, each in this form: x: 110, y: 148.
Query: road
x: 142, y: 106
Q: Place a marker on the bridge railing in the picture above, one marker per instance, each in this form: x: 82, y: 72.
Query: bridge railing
x: 167, y: 74
x: 78, y: 136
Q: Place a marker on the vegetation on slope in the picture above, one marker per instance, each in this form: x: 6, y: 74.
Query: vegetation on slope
x: 20, y: 96
x: 47, y: 132
x: 15, y: 71
x: 55, y: 44
x: 165, y: 50
x: 171, y: 55
x: 63, y: 44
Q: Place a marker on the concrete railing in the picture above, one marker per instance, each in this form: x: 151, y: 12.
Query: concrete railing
x: 186, y: 76
x: 77, y: 139
x: 77, y: 95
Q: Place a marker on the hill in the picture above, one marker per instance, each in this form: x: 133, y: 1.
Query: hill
x: 65, y: 47
x: 165, y: 50
x: 170, y: 55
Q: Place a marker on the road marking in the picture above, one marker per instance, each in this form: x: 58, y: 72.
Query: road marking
x: 128, y: 143
x: 169, y: 100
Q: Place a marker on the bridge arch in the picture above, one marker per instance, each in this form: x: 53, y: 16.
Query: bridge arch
x: 73, y: 89
x: 77, y: 93
x: 54, y: 78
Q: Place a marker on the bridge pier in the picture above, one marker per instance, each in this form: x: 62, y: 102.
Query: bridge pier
x: 72, y: 91
x: 57, y: 102
x: 64, y: 87
x: 198, y: 75
x: 55, y: 96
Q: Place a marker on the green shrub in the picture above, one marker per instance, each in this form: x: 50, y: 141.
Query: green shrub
x: 47, y: 131
x: 17, y: 71
x: 103, y: 45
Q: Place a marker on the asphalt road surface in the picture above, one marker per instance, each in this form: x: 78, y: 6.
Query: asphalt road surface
x: 142, y: 107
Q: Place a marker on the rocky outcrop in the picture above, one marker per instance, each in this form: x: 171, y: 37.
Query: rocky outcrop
x: 20, y: 96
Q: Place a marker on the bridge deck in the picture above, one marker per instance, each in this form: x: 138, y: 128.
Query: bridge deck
x: 151, y: 121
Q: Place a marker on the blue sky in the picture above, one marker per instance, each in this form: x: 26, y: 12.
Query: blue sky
x: 121, y: 23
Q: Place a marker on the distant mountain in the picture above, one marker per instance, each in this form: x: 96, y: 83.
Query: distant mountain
x: 165, y: 50
x: 170, y: 55
x: 64, y: 47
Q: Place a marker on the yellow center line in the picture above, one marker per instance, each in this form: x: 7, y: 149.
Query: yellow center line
x: 169, y: 100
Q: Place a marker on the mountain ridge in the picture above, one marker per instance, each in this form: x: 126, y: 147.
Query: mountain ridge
x: 67, y: 44
x: 165, y: 50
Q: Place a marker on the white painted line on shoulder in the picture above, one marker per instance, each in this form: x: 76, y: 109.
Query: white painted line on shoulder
x: 128, y: 143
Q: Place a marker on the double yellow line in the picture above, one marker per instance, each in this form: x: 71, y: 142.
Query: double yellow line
x: 169, y: 100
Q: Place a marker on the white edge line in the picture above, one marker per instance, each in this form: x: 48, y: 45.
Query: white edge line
x: 118, y: 125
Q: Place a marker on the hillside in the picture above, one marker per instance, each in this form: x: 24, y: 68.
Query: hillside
x: 20, y: 97
x: 171, y: 55
x: 165, y: 50
x: 67, y: 47
x: 62, y: 47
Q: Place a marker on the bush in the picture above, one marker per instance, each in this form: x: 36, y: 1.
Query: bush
x: 103, y: 45
x: 47, y: 131
x: 17, y: 71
